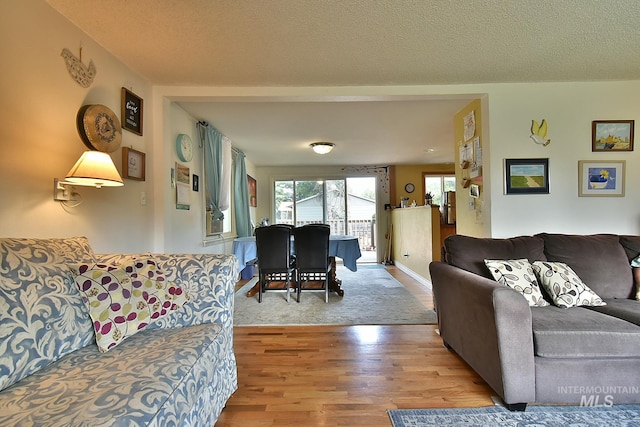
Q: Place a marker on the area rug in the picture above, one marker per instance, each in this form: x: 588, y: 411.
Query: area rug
x: 371, y: 297
x: 539, y: 416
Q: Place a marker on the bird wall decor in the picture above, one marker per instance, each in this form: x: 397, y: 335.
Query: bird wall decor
x: 82, y: 74
x: 539, y: 132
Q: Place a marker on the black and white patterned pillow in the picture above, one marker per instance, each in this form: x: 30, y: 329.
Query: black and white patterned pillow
x: 518, y: 274
x: 564, y: 286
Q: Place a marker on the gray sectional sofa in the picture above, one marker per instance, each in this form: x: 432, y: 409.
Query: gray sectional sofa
x: 177, y: 369
x: 587, y: 355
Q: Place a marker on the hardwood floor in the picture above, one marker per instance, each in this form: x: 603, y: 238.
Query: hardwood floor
x: 346, y: 375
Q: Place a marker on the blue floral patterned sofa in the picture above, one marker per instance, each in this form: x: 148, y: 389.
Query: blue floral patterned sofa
x: 175, y: 367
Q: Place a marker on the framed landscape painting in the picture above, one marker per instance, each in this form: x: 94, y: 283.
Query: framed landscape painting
x: 526, y: 176
x: 612, y: 135
x: 596, y: 178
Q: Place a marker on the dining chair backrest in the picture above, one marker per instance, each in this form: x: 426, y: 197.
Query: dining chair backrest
x: 291, y: 226
x: 312, y: 247
x: 273, y: 244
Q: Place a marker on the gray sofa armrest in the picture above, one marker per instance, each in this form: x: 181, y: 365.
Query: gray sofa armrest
x: 489, y: 326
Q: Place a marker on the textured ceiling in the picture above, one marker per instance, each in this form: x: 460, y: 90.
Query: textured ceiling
x: 360, y: 43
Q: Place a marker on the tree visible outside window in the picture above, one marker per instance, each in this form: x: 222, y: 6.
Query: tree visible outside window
x: 437, y: 185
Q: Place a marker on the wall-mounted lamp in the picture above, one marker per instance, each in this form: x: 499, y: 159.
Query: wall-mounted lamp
x: 93, y: 169
x: 322, y: 147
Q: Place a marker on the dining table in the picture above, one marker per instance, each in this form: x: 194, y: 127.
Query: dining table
x: 341, y: 246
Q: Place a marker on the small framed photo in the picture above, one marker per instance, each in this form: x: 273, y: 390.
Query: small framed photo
x: 612, y: 135
x: 596, y: 178
x: 131, y: 111
x: 474, y: 191
x: 195, y: 182
x: 526, y: 176
x: 133, y: 164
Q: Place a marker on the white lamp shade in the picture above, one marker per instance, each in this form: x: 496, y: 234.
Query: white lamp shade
x: 322, y: 147
x: 95, y: 169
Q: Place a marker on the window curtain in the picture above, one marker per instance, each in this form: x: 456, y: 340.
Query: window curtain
x: 215, y: 162
x: 241, y: 197
x: 225, y: 185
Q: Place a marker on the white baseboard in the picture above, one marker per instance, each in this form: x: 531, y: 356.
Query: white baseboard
x: 424, y: 281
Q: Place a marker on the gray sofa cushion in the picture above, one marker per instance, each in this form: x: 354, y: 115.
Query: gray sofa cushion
x: 581, y: 332
x: 625, y: 309
x: 469, y: 253
x: 599, y: 260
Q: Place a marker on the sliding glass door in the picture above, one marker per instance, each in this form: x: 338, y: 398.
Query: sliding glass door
x: 329, y: 201
x: 310, y: 202
x: 336, y: 206
x: 347, y: 205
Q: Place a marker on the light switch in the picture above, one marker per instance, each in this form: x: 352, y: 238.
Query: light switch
x: 143, y: 198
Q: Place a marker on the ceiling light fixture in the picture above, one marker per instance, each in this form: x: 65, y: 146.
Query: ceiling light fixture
x: 322, y: 147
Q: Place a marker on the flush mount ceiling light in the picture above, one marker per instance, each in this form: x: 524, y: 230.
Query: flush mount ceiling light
x: 322, y: 147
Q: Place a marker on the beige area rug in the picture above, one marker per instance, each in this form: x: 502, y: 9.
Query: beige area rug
x: 371, y: 297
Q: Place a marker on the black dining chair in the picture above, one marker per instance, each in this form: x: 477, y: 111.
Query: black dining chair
x: 275, y: 263
x: 312, y: 258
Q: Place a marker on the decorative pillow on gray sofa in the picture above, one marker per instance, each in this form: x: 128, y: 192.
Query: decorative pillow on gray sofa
x: 564, y: 286
x: 518, y: 275
x: 42, y: 317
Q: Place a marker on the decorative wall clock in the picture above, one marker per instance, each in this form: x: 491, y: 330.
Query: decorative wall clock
x: 184, y: 147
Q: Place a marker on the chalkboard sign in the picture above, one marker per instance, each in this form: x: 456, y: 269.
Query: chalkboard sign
x: 131, y: 112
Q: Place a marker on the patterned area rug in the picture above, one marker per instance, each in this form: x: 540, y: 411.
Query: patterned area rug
x: 539, y: 416
x: 371, y: 297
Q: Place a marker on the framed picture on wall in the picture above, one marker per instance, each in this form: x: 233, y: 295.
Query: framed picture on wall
x: 131, y: 111
x: 612, y: 135
x: 596, y: 178
x: 133, y: 164
x: 526, y: 176
x: 474, y: 191
x: 253, y: 191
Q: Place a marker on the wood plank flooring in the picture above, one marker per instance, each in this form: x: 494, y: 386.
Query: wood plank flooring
x: 346, y: 375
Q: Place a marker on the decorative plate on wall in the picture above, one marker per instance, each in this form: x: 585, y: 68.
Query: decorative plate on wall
x: 99, y: 128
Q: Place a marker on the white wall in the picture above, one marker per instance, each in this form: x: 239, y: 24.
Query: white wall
x: 569, y: 109
x: 182, y: 229
x: 39, y: 141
